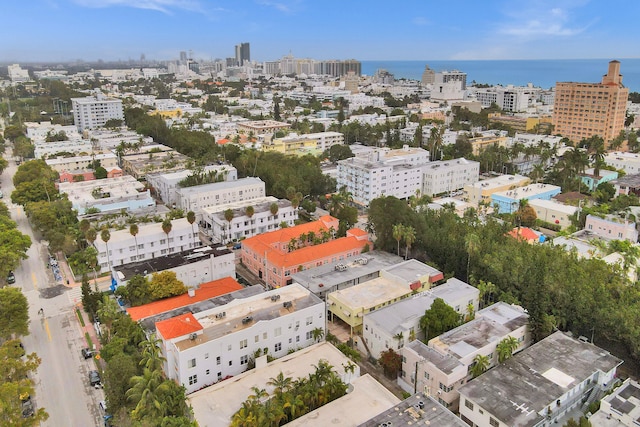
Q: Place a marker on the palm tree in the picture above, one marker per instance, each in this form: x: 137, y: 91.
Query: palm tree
x: 486, y: 290
x: 537, y: 173
x: 105, y: 235
x: 145, y: 392
x: 133, y: 230
x: 506, y: 347
x: 152, y: 354
x: 228, y: 216
x: 280, y: 384
x: 191, y: 218
x: 409, y: 237
x: 317, y: 334
x: 398, y: 233
x: 274, y: 208
x: 400, y: 337
x: 293, y: 244
x: 84, y: 226
x: 480, y: 365
x: 166, y: 227
x: 91, y: 235
x: 471, y: 244
x: 249, y: 211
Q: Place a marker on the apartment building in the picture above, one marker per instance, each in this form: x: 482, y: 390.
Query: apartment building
x: 42, y: 150
x: 156, y: 160
x: 38, y: 132
x: 60, y: 164
x: 383, y: 173
x: 540, y: 385
x: 621, y: 408
x: 274, y: 256
x: 481, y: 143
x: 259, y: 127
x: 310, y: 143
x: 612, y: 227
x: 509, y: 201
x: 205, y: 347
x: 167, y: 184
x: 628, y: 162
x: 442, y: 366
x: 553, y: 212
x: 445, y: 176
x: 94, y: 111
x: 193, y: 267
x: 508, y: 98
x: 398, y: 324
x: 150, y: 242
x: 242, y: 225
x: 107, y: 195
x: 582, y: 110
x: 481, y: 191
x: 203, y: 196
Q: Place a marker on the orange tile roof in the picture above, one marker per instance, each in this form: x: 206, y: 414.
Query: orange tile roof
x: 524, y: 233
x: 267, y: 241
x: 178, y: 326
x: 205, y: 291
x: 315, y: 252
x: 357, y: 232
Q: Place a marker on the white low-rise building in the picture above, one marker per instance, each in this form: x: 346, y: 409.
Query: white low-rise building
x: 553, y: 212
x: 76, y: 146
x: 150, y: 242
x: 398, y: 324
x: 448, y: 175
x: 61, y: 164
x: 107, y: 195
x: 207, y: 346
x: 242, y: 226
x: 167, y: 184
x: 481, y: 191
x: 202, y: 196
x: 628, y: 162
x: 38, y: 132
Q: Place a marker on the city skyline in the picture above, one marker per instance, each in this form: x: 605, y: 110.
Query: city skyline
x: 66, y: 30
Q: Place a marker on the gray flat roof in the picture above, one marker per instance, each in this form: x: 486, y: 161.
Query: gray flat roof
x: 525, y: 385
x: 242, y: 182
x: 444, y: 362
x: 491, y: 324
x: 418, y: 409
x: 392, y: 317
x: 171, y: 261
x: 327, y: 275
x: 411, y: 269
x: 627, y: 180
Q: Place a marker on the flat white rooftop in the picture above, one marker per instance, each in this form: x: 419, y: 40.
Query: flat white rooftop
x: 527, y: 191
x: 371, y: 293
x: 498, y: 181
x: 550, y: 204
x: 214, y: 406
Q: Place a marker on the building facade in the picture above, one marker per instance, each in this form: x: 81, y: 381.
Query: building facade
x: 203, y: 196
x: 94, y: 111
x: 445, y: 176
x: 582, y: 110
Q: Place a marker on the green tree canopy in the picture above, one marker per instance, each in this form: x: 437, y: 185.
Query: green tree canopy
x: 165, y: 284
x: 14, y: 320
x: 438, y: 319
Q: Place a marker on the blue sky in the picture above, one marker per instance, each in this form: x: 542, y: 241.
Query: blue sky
x: 62, y: 30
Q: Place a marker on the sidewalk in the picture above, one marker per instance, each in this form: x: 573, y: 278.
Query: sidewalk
x: 69, y: 281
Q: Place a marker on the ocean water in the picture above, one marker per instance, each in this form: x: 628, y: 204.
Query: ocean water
x: 542, y: 72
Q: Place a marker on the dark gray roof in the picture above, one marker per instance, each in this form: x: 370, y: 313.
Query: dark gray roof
x: 627, y: 180
x: 418, y: 409
x: 517, y: 391
x: 444, y: 362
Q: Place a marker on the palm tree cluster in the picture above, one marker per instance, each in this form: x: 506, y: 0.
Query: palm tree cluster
x: 406, y: 233
x: 290, y: 398
x: 310, y: 239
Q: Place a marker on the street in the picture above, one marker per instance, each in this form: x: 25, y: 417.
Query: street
x: 61, y: 382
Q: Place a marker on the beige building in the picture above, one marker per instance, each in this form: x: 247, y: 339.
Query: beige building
x: 480, y: 143
x: 481, y: 191
x: 582, y: 110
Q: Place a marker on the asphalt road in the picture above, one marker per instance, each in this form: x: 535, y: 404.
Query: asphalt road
x: 61, y: 381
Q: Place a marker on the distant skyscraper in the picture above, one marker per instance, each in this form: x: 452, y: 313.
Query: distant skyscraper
x: 428, y: 76
x: 243, y: 54
x: 582, y: 110
x: 183, y: 56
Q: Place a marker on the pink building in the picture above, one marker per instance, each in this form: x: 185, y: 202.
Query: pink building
x: 77, y: 175
x: 612, y: 228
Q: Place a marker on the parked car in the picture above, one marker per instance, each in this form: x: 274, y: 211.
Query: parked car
x: 27, y: 406
x: 87, y: 353
x: 11, y: 278
x: 94, y: 379
x: 237, y: 246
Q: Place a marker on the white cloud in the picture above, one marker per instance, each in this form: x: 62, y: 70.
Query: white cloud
x: 542, y: 19
x: 282, y: 6
x: 420, y: 20
x: 164, y: 6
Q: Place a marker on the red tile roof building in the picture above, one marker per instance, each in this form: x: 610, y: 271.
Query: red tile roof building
x: 204, y: 292
x: 274, y: 256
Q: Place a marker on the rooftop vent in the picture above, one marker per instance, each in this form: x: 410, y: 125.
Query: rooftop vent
x: 275, y: 297
x: 246, y: 320
x: 287, y: 304
x: 193, y: 337
x: 221, y: 315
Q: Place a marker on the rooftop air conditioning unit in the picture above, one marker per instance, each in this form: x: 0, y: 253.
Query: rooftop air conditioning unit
x: 193, y: 336
x: 287, y: 304
x: 247, y: 320
x: 221, y: 315
x: 275, y: 297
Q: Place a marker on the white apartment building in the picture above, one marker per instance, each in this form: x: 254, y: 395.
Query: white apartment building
x: 215, y: 225
x: 38, y: 132
x: 150, y: 242
x: 17, y: 74
x: 553, y: 212
x: 202, y: 196
x: 205, y: 347
x: 508, y: 98
x: 75, y: 146
x: 105, y: 195
x: 539, y: 386
x: 94, y: 111
x: 398, y: 324
x: 628, y: 162
x: 61, y: 164
x: 193, y: 267
x: 481, y: 191
x: 442, y: 366
x: 383, y: 173
x: 166, y: 184
x: 449, y: 86
x: 107, y: 139
x: 326, y: 140
x: 448, y: 175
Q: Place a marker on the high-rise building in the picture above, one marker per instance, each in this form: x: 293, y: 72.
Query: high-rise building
x: 94, y: 111
x: 243, y: 54
x: 183, y: 56
x: 428, y: 76
x: 582, y: 110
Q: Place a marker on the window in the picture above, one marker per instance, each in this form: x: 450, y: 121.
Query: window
x: 277, y: 347
x: 191, y: 363
x: 426, y: 375
x: 493, y: 422
x: 309, y: 335
x: 309, y: 320
x: 207, y: 372
x: 193, y: 379
x: 244, y: 360
x: 468, y: 404
x: 206, y: 355
x: 243, y: 344
x: 230, y: 363
x: 257, y: 338
x: 229, y: 347
x: 277, y: 332
x: 218, y: 360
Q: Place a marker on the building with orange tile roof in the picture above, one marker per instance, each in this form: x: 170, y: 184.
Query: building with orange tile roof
x: 524, y: 233
x: 178, y: 326
x: 274, y: 256
x: 204, y: 292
